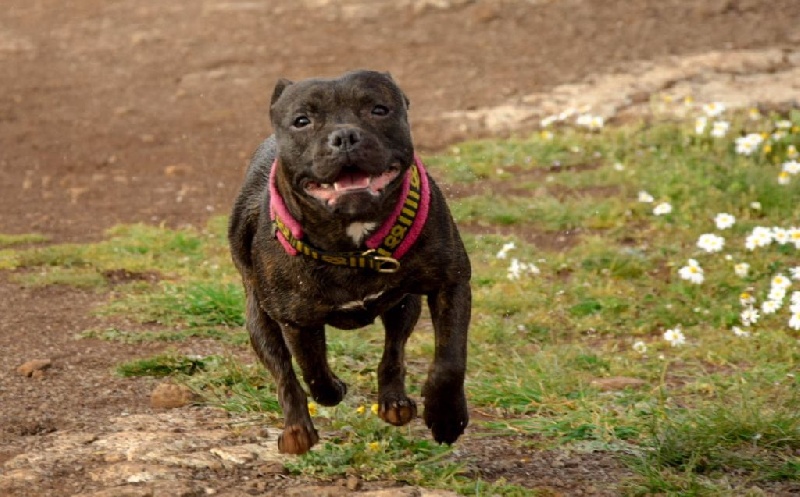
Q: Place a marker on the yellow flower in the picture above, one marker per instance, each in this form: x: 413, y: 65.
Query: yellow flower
x: 767, y: 148
x: 754, y: 113
x: 546, y: 135
x: 374, y: 446
x: 312, y: 408
x: 374, y: 408
x: 688, y: 100
x: 361, y: 409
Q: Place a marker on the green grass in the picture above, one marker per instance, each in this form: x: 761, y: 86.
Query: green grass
x: 22, y: 239
x: 717, y: 415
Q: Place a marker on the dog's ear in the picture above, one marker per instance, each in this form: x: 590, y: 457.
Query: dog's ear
x: 281, y: 85
x: 405, y: 98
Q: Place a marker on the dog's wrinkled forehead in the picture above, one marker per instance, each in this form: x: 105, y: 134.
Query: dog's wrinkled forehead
x: 354, y: 91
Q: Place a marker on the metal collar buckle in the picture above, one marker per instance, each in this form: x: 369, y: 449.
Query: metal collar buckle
x: 381, y: 260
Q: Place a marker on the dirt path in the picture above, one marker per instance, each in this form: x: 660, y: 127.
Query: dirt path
x: 147, y: 111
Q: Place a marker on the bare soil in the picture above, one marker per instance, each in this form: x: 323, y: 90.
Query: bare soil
x: 147, y: 111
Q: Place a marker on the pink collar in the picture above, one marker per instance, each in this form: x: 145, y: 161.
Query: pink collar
x: 394, y: 237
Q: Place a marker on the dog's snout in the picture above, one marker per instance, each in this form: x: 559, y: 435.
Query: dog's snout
x: 345, y: 139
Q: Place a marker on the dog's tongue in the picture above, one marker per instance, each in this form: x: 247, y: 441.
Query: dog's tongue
x: 351, y: 181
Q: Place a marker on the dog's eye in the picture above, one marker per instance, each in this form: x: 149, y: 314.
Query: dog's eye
x: 301, y: 122
x: 380, y: 110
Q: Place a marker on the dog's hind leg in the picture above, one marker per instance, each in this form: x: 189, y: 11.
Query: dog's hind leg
x: 309, y: 350
x: 394, y: 406
x: 299, y: 434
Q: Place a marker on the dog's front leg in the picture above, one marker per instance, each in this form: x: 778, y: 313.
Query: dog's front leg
x: 445, y: 403
x: 394, y: 406
x: 299, y: 434
x: 309, y: 350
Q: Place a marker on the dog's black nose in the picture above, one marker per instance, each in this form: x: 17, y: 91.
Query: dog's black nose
x: 344, y: 139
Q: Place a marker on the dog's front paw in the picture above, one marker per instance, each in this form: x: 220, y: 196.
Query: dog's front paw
x: 297, y: 439
x: 446, y: 413
x: 397, y: 409
x: 328, y: 393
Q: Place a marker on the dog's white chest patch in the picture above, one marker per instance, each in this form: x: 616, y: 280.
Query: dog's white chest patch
x: 359, y: 304
x: 358, y: 231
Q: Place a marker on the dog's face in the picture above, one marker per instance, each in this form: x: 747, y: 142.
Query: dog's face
x: 343, y: 143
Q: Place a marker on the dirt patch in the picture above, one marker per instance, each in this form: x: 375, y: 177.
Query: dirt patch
x: 147, y: 111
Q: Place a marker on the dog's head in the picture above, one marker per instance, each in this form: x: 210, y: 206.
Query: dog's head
x: 343, y: 143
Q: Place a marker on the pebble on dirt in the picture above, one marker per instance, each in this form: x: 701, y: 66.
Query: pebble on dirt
x: 170, y: 396
x: 34, y: 368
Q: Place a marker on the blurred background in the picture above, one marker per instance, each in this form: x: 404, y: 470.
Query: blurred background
x: 148, y: 111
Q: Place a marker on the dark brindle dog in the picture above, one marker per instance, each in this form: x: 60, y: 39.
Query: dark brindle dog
x: 338, y: 223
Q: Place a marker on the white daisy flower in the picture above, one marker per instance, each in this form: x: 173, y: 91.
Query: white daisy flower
x: 776, y: 293
x: 589, y: 121
x: 547, y: 121
x: 783, y: 124
x: 711, y: 243
x: 700, y: 125
x: 780, y: 235
x: 618, y: 166
x: 791, y: 167
x: 794, y: 236
x: 740, y: 332
x: 756, y: 206
x: 645, y: 197
x: 791, y: 152
x: 503, y: 253
x: 675, y: 337
x: 759, y: 237
x: 795, y: 272
x: 662, y: 209
x: 770, y: 306
x: 746, y: 299
x: 795, y: 298
x: 516, y: 269
x: 750, y: 316
x: 741, y: 269
x: 778, y: 136
x: 784, y: 178
x: 692, y: 272
x: 720, y: 129
x: 794, y: 322
x: 781, y: 281
x: 723, y: 220
x: 748, y: 144
x: 714, y: 109
x: 640, y: 347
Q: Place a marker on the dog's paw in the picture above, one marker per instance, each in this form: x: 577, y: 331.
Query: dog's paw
x: 297, y: 439
x: 328, y: 393
x: 446, y: 414
x: 397, y: 410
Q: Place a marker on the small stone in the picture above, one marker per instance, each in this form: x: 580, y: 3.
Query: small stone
x: 177, y: 170
x: 353, y: 483
x: 30, y: 367
x: 272, y: 468
x: 170, y: 396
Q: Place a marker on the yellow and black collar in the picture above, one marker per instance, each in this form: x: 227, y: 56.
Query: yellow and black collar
x: 384, y: 248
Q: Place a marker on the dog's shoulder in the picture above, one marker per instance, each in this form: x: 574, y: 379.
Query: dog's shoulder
x: 250, y: 202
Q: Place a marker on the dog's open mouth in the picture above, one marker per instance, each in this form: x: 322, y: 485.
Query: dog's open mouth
x: 351, y: 180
